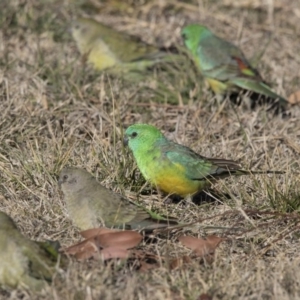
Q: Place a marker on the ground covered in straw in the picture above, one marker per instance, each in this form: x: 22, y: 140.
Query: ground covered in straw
x: 57, y: 111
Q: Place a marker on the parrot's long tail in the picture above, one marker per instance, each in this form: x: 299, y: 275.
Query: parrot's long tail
x: 246, y: 172
x: 262, y: 94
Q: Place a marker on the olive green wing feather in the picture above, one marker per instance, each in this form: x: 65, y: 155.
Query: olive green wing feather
x: 260, y: 88
x: 126, y: 47
x: 222, y: 60
x: 198, y: 167
x: 117, y: 211
x: 41, y: 264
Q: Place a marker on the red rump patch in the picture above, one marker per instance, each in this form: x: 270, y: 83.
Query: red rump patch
x: 241, y: 63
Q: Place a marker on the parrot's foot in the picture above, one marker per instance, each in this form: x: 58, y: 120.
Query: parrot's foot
x: 209, y: 196
x: 173, y: 199
x: 197, y: 199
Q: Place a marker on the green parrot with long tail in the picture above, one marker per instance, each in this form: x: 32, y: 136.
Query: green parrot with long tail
x: 174, y: 168
x: 225, y: 67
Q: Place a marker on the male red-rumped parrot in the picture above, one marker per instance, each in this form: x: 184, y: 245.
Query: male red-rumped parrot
x: 174, y: 168
x: 225, y: 67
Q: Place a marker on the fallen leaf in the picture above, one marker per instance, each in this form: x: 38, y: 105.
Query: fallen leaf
x: 121, y: 239
x: 96, y: 231
x: 83, y: 250
x: 201, y: 246
x: 106, y: 242
x: 114, y: 252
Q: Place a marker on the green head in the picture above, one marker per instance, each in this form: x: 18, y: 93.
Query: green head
x: 140, y: 137
x: 192, y: 35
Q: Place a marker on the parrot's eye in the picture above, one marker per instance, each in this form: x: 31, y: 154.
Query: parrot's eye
x: 134, y: 134
x: 183, y: 35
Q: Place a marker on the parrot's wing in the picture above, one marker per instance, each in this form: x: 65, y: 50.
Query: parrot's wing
x: 148, y: 220
x: 33, y: 283
x: 198, y: 167
x: 90, y: 34
x: 126, y: 47
x: 125, y: 211
x: 221, y: 60
x: 40, y: 263
x: 135, y: 216
x: 260, y: 88
x: 115, y: 209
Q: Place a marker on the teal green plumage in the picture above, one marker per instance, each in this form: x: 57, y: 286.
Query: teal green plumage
x: 174, y: 168
x: 224, y: 65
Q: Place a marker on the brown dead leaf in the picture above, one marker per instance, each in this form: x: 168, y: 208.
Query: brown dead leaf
x: 114, y: 252
x: 88, y: 249
x: 294, y: 98
x: 201, y: 247
x: 108, y: 243
x: 120, y: 239
x: 84, y: 255
x: 96, y: 231
x: 83, y: 250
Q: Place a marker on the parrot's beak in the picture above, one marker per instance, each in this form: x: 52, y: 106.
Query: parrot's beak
x: 125, y: 141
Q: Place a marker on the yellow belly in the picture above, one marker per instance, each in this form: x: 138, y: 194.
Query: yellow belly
x: 102, y: 57
x: 174, y: 181
x: 217, y: 86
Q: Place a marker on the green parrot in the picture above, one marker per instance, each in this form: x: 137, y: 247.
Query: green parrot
x: 174, y: 168
x: 225, y: 67
x: 24, y: 263
x: 90, y: 205
x: 106, y: 48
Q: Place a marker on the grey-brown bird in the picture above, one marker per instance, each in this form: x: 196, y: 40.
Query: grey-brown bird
x: 91, y: 205
x: 23, y: 263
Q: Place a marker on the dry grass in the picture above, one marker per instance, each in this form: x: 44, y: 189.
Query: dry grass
x: 56, y: 111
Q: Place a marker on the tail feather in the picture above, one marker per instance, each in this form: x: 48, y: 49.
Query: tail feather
x: 246, y: 172
x: 262, y: 89
x: 223, y: 173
